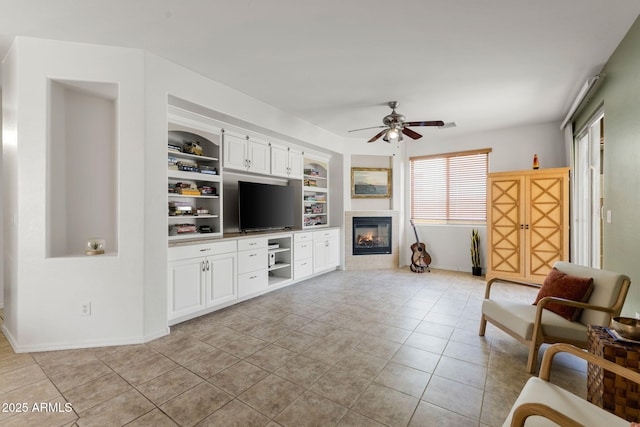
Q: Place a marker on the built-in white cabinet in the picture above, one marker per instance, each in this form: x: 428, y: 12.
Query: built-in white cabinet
x: 280, y: 259
x: 201, y: 277
x: 315, y: 193
x: 286, y: 162
x: 303, y: 255
x: 326, y: 250
x: 253, y: 274
x: 194, y: 177
x: 247, y: 154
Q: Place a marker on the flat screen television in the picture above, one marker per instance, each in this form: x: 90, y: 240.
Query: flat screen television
x: 264, y: 206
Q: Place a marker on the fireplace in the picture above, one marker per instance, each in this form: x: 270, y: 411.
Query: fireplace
x: 371, y: 235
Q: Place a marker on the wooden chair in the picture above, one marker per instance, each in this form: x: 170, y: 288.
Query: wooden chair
x: 540, y: 399
x: 533, y: 326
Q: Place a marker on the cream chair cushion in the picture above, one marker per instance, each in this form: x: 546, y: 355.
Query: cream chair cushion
x: 520, y: 318
x: 540, y: 391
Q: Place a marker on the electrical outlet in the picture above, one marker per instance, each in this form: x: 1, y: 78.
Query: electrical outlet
x: 85, y: 308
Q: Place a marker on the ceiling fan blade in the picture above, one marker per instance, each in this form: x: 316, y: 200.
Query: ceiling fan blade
x: 425, y: 123
x: 375, y: 138
x: 372, y: 127
x: 411, y: 134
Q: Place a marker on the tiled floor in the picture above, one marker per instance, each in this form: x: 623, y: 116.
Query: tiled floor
x: 385, y: 347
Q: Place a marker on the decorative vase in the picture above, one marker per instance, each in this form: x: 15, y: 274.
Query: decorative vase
x: 476, y: 271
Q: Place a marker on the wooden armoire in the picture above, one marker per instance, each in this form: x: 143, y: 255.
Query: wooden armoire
x: 527, y: 223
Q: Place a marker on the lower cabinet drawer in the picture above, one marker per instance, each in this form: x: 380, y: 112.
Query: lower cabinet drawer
x: 252, y: 260
x: 253, y: 282
x: 303, y: 250
x: 302, y: 268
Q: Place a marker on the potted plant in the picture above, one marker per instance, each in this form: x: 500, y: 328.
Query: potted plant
x: 476, y: 270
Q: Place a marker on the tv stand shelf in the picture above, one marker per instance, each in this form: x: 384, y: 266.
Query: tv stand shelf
x: 279, y: 262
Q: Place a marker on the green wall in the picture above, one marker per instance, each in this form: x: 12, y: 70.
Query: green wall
x: 619, y: 93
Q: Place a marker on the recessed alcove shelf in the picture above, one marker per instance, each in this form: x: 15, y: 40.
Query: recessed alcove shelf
x: 82, y: 184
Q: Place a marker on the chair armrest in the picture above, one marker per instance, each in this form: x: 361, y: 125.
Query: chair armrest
x: 552, y: 350
x: 585, y: 306
x: 510, y: 281
x: 525, y: 410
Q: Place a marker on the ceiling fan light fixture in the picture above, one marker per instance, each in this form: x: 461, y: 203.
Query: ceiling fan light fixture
x: 391, y: 134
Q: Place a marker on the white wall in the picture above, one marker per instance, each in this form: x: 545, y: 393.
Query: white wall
x: 1, y: 213
x: 45, y: 294
x: 512, y: 149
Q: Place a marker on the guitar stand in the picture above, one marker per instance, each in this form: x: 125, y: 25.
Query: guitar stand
x: 419, y: 268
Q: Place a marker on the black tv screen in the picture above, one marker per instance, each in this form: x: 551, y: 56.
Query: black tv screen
x: 264, y: 206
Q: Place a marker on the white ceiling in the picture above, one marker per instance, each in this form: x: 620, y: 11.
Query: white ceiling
x: 483, y: 64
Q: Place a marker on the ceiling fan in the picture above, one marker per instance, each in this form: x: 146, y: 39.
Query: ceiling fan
x: 396, y: 125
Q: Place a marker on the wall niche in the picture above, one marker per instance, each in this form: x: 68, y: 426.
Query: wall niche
x: 82, y: 175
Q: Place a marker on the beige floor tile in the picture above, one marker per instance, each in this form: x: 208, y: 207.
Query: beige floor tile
x: 211, y: 363
x: 354, y: 419
x: 244, y: 346
x: 271, y: 358
x: 309, y: 410
x: 118, y: 410
x: 271, y: 395
x: 428, y: 415
x: 21, y: 377
x: 147, y: 369
x: 386, y: 405
x: 81, y: 373
x: 357, y: 348
x: 197, y: 403
x: 235, y: 414
x: 404, y: 379
x: 34, y: 393
x: 296, y: 341
x: 126, y: 355
x: 238, y: 378
x: 460, y: 398
x: 341, y: 386
x: 155, y: 418
x: 12, y: 361
x: 362, y: 364
x: 95, y: 392
x: 462, y: 372
x: 303, y: 371
x: 169, y: 385
x: 416, y: 358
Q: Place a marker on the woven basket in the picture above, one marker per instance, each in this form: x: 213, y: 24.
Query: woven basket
x: 605, y: 389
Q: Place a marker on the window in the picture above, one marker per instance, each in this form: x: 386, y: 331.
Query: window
x: 450, y: 188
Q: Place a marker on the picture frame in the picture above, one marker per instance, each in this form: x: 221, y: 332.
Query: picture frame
x: 370, y: 183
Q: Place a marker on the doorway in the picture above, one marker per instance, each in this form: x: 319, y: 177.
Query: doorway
x: 588, y: 193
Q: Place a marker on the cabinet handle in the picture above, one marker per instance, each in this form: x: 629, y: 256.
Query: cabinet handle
x: 253, y: 277
x: 521, y: 226
x: 526, y: 226
x: 252, y: 255
x: 326, y: 244
x: 205, y: 249
x: 207, y: 265
x: 202, y: 266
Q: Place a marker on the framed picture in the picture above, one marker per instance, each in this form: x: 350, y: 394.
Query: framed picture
x: 370, y: 183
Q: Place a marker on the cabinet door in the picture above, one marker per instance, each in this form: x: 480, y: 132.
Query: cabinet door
x: 296, y: 164
x: 279, y: 161
x: 333, y: 253
x: 546, y: 223
x: 221, y: 279
x: 186, y: 293
x: 259, y: 157
x: 235, y: 152
x: 319, y: 255
x: 505, y: 217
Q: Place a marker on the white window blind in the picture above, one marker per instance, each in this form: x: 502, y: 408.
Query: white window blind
x: 450, y: 188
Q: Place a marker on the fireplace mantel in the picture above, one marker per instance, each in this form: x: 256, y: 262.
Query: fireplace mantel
x: 373, y: 261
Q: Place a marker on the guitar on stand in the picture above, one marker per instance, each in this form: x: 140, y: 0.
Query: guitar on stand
x: 420, y: 258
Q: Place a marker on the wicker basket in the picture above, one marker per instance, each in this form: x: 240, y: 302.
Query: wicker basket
x: 605, y: 389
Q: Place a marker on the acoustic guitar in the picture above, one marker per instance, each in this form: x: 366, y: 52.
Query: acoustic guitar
x: 420, y: 258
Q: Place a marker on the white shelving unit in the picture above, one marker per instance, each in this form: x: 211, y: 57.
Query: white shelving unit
x: 185, y: 127
x: 280, y: 266
x: 315, y: 194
